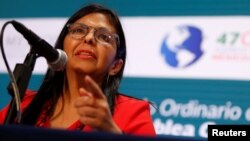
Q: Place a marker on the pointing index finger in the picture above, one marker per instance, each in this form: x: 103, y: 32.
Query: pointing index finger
x: 94, y: 88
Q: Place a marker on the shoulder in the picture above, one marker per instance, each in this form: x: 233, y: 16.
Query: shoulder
x: 133, y: 116
x: 29, y: 94
x: 124, y: 102
x: 28, y: 97
x: 125, y: 99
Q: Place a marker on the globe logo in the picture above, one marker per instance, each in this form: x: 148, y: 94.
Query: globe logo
x: 182, y: 46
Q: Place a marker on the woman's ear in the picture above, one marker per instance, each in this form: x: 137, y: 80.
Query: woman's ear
x: 116, y: 67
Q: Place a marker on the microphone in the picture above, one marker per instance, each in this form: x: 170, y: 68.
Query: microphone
x: 56, y: 58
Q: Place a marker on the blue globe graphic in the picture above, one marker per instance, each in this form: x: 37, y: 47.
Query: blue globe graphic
x: 182, y: 46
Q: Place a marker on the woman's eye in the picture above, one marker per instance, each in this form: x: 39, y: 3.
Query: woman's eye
x: 78, y: 30
x: 104, y: 37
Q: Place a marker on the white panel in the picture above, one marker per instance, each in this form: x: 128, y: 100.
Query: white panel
x: 228, y: 60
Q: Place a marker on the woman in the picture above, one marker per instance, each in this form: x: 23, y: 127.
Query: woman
x: 85, y: 95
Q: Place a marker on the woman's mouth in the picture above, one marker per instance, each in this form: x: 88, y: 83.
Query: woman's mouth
x: 85, y: 54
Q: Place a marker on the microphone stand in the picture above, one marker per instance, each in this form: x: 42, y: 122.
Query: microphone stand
x: 22, y: 73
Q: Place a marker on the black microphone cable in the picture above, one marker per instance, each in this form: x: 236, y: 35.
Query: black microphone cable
x: 12, y: 78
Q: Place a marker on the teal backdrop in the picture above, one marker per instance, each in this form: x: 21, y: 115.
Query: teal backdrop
x: 64, y: 8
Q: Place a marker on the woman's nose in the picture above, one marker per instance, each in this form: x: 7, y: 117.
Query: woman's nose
x: 90, y: 37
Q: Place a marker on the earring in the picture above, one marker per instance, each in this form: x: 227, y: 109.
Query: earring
x: 107, y: 79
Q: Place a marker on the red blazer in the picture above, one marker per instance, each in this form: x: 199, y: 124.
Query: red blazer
x: 130, y: 114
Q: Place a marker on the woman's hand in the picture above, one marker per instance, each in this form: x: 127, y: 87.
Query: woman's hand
x: 93, y: 109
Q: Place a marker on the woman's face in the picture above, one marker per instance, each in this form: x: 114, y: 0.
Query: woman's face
x: 92, y: 54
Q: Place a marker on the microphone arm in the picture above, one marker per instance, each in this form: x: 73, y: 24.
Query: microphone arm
x: 22, y: 74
